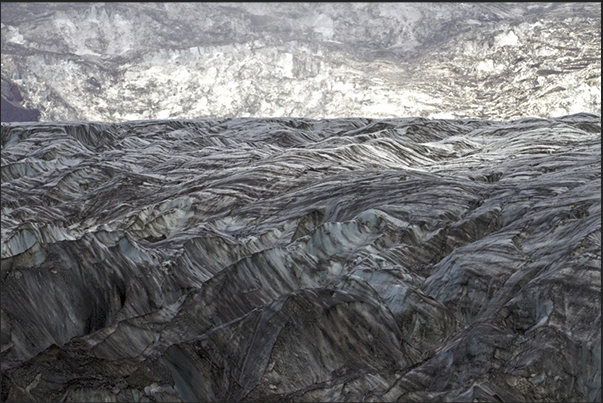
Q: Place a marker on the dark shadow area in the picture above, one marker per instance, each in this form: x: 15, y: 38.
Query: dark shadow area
x: 12, y: 111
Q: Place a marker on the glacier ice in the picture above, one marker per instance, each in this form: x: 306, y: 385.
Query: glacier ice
x: 298, y: 259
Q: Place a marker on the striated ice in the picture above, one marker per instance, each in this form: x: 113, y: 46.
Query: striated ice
x: 248, y: 259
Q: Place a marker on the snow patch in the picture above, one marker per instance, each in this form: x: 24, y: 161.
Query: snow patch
x: 506, y: 39
x: 12, y: 35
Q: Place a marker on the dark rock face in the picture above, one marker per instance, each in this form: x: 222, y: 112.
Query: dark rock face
x: 12, y: 111
x: 302, y: 260
x: 16, y: 113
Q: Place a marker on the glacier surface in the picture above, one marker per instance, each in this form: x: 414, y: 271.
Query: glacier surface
x: 248, y: 259
x: 115, y: 62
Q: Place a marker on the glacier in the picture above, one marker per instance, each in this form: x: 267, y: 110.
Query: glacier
x: 297, y: 259
x: 300, y: 202
x: 116, y: 62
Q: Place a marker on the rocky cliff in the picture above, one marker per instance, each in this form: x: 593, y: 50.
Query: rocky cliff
x: 115, y: 62
x: 12, y: 111
x: 302, y: 260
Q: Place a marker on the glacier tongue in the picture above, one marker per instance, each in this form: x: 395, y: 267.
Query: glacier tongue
x: 296, y: 259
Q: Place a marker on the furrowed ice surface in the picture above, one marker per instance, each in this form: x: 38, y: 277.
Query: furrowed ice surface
x: 295, y: 259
